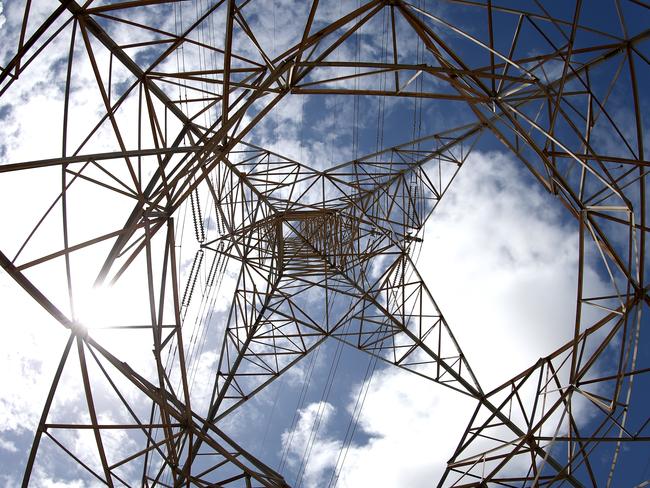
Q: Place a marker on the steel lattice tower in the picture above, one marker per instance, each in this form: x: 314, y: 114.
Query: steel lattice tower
x: 564, y: 94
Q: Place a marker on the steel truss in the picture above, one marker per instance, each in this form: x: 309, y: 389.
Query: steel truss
x: 540, y: 82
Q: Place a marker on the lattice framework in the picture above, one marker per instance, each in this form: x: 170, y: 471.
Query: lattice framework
x: 541, y: 82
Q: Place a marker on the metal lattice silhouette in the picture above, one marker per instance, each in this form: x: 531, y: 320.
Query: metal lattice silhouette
x: 562, y: 90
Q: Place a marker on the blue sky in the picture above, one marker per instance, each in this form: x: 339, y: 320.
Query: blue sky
x: 499, y: 254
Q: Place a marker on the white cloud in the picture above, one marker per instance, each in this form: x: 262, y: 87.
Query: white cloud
x: 45, y: 480
x: 503, y: 267
x: 8, y: 445
x: 27, y: 367
x: 413, y: 429
x: 307, y: 452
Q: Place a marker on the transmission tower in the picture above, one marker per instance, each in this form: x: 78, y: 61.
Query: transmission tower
x: 182, y: 87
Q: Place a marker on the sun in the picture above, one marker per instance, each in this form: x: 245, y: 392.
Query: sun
x: 108, y: 307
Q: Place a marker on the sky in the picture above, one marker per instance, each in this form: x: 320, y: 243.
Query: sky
x: 499, y: 255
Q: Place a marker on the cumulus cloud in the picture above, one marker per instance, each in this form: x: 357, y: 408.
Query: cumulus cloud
x: 413, y: 427
x: 502, y: 263
x: 8, y: 446
x: 40, y: 478
x: 311, y: 455
x: 27, y: 367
